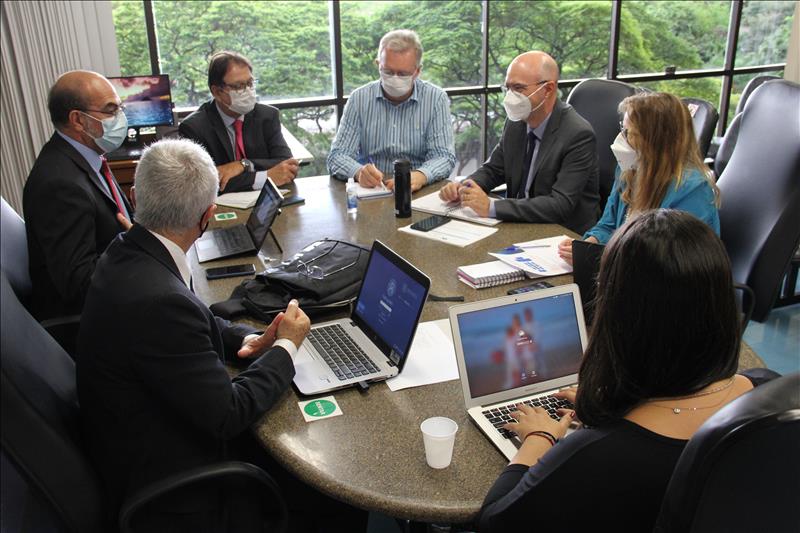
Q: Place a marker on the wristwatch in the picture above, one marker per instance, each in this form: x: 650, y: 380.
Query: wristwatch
x: 248, y: 165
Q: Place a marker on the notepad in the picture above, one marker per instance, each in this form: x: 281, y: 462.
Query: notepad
x: 238, y: 200
x: 538, y: 258
x: 436, y: 206
x: 490, y: 274
x: 364, y: 193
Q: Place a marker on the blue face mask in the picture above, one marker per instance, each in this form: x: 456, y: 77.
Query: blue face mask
x: 115, y: 129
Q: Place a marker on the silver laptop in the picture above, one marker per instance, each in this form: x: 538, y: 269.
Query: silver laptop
x: 371, y: 345
x: 515, y: 349
x: 246, y: 238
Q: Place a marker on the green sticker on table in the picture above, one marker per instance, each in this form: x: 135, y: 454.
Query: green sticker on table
x: 225, y: 216
x: 319, y: 408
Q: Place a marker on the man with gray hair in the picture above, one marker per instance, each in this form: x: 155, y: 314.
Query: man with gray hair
x: 396, y: 117
x: 155, y: 395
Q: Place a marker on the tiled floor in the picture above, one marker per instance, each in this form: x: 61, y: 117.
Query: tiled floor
x: 777, y: 340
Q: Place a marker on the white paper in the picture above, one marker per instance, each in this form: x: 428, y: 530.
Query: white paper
x: 373, y: 192
x: 454, y: 232
x: 538, y: 258
x: 436, y: 206
x: 238, y: 200
x: 431, y: 359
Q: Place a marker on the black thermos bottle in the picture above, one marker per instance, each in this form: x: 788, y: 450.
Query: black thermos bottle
x: 402, y: 188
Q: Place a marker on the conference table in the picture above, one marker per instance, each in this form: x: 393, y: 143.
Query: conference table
x: 372, y: 456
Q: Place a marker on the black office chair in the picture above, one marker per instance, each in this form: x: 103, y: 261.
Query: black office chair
x: 704, y: 119
x: 14, y: 263
x: 725, y: 150
x: 598, y: 102
x: 40, y: 437
x: 760, y: 193
x: 751, y: 86
x: 741, y: 470
x: 14, y: 251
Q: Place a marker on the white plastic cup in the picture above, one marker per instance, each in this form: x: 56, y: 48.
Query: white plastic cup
x: 439, y: 435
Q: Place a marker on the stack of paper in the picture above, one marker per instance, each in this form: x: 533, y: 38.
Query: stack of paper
x: 238, y: 200
x: 454, y: 232
x: 537, y: 258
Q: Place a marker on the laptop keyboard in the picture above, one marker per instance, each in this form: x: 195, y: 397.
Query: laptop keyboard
x: 501, y: 415
x: 343, y: 356
x: 232, y: 240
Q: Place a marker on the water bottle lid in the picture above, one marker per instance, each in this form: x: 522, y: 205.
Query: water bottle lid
x: 402, y: 165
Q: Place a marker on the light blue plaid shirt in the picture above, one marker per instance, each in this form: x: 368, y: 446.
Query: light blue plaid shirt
x: 373, y: 128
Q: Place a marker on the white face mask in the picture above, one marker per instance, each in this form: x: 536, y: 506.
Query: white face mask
x: 624, y: 152
x: 518, y: 106
x: 243, y: 101
x: 115, y: 129
x: 397, y: 86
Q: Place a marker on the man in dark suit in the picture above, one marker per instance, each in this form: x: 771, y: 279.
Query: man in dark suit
x: 155, y: 397
x: 243, y: 137
x: 546, y: 156
x: 73, y: 205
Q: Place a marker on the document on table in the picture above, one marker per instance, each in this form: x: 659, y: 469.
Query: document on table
x: 537, y: 258
x: 436, y: 206
x: 238, y: 200
x: 372, y: 192
x: 453, y: 232
x: 431, y: 359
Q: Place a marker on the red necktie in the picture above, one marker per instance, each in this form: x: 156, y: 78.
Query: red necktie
x: 111, y: 185
x: 237, y: 127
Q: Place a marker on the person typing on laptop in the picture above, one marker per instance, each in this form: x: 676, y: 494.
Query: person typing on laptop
x: 643, y: 389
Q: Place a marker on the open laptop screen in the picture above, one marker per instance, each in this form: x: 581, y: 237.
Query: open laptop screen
x: 390, y: 303
x: 520, y: 344
x: 264, y: 212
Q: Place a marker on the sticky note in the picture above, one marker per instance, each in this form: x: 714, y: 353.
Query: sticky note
x: 319, y: 408
x: 225, y: 216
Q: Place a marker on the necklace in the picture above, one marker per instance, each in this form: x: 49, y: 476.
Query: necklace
x: 679, y: 410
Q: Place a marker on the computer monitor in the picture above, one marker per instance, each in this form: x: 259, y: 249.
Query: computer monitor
x: 147, y: 100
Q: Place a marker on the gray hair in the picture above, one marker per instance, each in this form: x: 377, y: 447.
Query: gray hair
x: 400, y: 41
x: 176, y: 181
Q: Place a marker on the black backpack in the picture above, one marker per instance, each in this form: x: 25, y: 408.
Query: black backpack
x: 323, y: 277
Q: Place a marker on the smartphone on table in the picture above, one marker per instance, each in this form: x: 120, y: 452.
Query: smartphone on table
x: 427, y: 224
x: 230, y: 271
x: 528, y: 288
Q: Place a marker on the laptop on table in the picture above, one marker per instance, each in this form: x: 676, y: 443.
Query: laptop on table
x: 517, y: 349
x: 373, y: 343
x: 246, y: 238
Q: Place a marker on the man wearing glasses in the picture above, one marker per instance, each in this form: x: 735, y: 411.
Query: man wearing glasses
x: 73, y: 206
x: 242, y: 136
x: 396, y: 117
x: 546, y: 156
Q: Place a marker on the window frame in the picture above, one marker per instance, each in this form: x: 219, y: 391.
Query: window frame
x: 727, y: 72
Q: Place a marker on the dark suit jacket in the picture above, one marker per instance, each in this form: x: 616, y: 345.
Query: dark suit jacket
x: 69, y: 219
x: 565, y: 181
x: 155, y: 397
x: 263, y: 140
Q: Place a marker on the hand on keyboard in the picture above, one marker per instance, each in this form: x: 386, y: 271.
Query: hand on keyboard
x: 530, y: 419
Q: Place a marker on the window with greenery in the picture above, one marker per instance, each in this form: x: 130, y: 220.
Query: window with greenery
x: 575, y: 33
x: 293, y: 46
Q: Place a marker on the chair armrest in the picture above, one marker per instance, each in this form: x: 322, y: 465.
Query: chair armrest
x: 60, y: 321
x: 174, y: 482
x: 748, y: 303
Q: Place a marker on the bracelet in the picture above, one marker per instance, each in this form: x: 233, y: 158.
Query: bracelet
x: 545, y: 435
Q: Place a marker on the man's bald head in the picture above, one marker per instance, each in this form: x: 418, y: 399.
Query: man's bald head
x: 77, y: 89
x: 535, y: 66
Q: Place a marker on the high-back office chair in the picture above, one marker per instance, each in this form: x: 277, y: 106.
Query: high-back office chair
x: 741, y: 470
x: 751, y: 86
x: 725, y: 150
x: 14, y: 251
x: 704, y: 119
x: 598, y: 101
x: 760, y: 193
x: 40, y: 435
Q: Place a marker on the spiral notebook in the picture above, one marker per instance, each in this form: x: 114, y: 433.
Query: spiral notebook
x: 482, y: 275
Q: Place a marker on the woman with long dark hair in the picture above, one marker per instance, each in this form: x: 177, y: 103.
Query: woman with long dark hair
x: 661, y: 359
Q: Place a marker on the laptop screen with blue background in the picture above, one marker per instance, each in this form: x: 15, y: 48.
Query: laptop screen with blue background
x: 520, y: 344
x: 390, y: 302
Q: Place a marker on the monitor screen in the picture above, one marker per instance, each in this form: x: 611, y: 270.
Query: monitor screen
x: 520, y: 344
x: 147, y: 99
x: 390, y: 303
